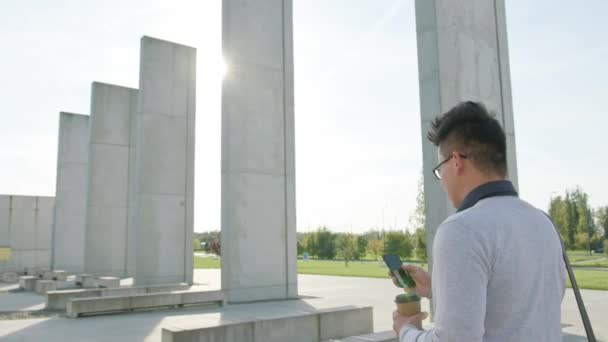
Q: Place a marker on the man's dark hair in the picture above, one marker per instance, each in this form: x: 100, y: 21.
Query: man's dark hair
x: 469, y: 129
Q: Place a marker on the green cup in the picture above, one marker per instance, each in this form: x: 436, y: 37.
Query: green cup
x: 408, y: 304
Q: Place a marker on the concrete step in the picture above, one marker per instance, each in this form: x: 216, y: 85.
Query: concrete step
x: 383, y: 336
x: 78, y: 307
x: 301, y: 326
x: 58, y: 300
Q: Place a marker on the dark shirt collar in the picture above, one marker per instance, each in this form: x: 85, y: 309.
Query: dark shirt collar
x: 490, y: 189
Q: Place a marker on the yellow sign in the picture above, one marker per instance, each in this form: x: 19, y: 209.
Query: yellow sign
x: 5, y: 253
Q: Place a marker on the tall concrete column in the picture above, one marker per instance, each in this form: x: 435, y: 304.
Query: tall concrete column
x: 164, y: 163
x: 462, y: 55
x: 71, y: 193
x: 258, y: 154
x: 107, y: 237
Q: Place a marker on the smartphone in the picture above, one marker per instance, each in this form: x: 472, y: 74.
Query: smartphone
x: 394, y: 265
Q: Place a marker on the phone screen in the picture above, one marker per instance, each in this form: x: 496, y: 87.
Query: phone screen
x: 394, y: 265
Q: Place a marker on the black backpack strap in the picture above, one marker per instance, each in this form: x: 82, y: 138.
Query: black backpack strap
x: 577, y: 292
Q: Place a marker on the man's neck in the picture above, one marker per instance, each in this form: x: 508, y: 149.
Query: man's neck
x: 478, y: 181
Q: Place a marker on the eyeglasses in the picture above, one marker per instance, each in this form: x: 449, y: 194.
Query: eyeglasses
x: 437, y: 169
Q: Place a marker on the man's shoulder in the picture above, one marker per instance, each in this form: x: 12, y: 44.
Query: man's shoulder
x: 490, y: 212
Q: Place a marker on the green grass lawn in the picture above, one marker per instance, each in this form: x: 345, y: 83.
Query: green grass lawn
x: 596, y: 280
x: 578, y: 256
x: 206, y: 262
x: 591, y: 280
x: 593, y: 263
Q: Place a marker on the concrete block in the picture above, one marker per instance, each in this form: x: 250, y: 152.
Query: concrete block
x: 28, y: 283
x: 80, y: 278
x: 40, y: 272
x: 31, y: 271
x: 108, y: 282
x: 350, y: 321
x: 60, y: 275
x: 58, y: 300
x: 155, y: 300
x: 44, y: 286
x: 199, y: 297
x: 167, y: 288
x: 83, y: 306
x: 383, y: 336
x: 10, y: 277
x: 242, y: 332
x: 297, y: 329
x: 302, y: 326
x: 89, y: 282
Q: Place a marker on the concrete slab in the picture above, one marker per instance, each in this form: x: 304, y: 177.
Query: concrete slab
x: 71, y: 193
x: 163, y: 183
x: 77, y: 307
x: 462, y: 55
x: 57, y: 300
x: 107, y: 237
x: 258, y: 153
x: 25, y: 228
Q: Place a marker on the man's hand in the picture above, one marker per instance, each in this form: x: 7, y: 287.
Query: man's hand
x: 399, y: 321
x: 420, y: 276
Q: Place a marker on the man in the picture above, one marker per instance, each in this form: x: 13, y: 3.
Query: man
x: 498, y: 272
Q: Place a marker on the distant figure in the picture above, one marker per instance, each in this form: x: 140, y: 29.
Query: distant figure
x: 498, y: 272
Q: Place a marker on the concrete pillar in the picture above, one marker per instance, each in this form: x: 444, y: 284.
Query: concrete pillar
x: 164, y: 167
x: 71, y: 193
x: 107, y: 238
x: 258, y: 154
x: 462, y: 55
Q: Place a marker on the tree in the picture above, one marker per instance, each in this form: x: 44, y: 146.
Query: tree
x: 602, y: 220
x: 375, y: 247
x: 574, y: 218
x: 361, y: 247
x: 420, y: 245
x: 346, y: 245
x: 196, y: 244
x: 417, y: 223
x: 558, y: 210
x: 417, y: 218
x: 216, y: 247
x: 322, y: 243
x: 399, y: 244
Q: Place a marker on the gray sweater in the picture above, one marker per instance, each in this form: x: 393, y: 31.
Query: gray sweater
x: 498, y: 275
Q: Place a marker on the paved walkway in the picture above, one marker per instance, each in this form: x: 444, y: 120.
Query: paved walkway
x: 318, y: 292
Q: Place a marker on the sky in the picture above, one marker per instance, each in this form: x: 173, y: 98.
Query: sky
x: 358, y: 141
